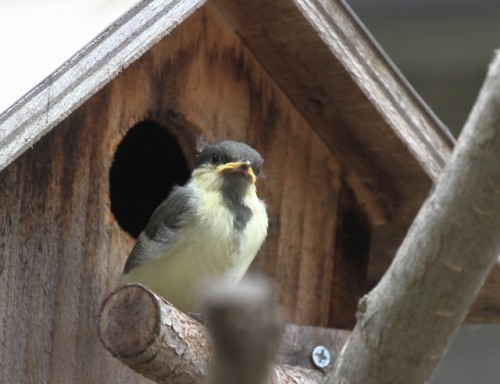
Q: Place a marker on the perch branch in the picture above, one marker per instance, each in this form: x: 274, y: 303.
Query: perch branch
x: 163, y: 344
x: 407, y: 322
x: 154, y: 338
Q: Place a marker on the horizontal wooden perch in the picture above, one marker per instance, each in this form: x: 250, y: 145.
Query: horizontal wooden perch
x: 153, y: 338
x: 165, y: 345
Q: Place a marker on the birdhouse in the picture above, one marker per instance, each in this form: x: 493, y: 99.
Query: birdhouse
x: 86, y: 155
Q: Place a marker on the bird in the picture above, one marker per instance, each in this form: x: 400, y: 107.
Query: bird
x: 210, y: 228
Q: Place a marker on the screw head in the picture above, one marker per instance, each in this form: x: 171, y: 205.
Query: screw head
x: 321, y: 357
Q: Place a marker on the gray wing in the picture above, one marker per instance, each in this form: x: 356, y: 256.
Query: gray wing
x: 162, y: 226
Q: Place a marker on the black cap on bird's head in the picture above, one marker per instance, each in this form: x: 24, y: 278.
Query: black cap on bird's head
x: 231, y: 158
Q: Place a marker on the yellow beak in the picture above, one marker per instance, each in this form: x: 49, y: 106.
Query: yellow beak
x: 242, y: 167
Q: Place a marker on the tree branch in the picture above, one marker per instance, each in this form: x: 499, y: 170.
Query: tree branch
x: 154, y: 338
x: 407, y: 322
x: 163, y: 344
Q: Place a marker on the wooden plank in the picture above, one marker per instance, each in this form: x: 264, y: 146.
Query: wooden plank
x: 57, y: 252
x: 292, y: 211
x: 88, y: 71
x: 317, y: 266
x: 331, y: 62
x: 352, y: 250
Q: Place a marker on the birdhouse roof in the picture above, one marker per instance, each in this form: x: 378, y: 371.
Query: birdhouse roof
x: 318, y: 53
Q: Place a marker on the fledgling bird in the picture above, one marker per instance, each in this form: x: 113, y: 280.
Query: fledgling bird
x: 212, y: 227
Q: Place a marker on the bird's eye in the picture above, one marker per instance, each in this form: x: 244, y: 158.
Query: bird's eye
x: 215, y: 158
x: 256, y: 170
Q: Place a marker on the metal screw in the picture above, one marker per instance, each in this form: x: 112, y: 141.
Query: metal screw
x: 321, y: 356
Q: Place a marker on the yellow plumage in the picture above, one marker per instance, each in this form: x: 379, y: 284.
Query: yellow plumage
x: 206, y: 246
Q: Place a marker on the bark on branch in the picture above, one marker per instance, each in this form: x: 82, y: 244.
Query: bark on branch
x: 154, y: 338
x: 163, y: 344
x: 407, y: 322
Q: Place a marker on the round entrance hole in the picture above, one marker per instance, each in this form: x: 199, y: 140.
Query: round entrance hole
x: 147, y: 164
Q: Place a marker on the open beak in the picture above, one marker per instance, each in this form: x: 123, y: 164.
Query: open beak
x: 240, y: 167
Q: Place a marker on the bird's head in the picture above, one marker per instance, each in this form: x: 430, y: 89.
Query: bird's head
x: 228, y: 165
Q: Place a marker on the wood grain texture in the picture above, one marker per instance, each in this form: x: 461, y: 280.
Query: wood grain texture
x: 390, y: 144
x: 59, y: 252
x: 330, y: 62
x: 349, y: 281
x: 61, y: 249
x: 154, y: 338
x: 316, y: 262
x: 88, y: 71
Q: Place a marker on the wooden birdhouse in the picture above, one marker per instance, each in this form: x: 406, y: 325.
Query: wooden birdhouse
x: 86, y: 155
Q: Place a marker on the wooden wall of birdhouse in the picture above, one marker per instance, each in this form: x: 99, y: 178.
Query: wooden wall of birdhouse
x: 63, y: 241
